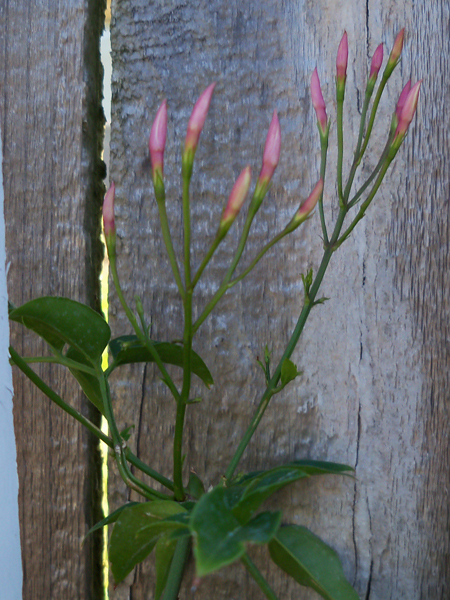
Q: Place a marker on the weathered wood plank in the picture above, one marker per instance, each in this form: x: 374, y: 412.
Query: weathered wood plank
x: 374, y: 356
x: 52, y: 131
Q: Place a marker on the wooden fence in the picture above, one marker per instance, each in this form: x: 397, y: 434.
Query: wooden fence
x: 375, y: 356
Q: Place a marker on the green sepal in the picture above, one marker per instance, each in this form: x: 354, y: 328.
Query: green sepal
x: 311, y: 562
x: 129, y: 349
x: 60, y: 321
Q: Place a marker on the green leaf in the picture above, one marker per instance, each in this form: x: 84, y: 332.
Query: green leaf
x: 136, y: 533
x: 164, y: 551
x: 89, y: 384
x: 111, y: 518
x: 129, y: 349
x: 322, y: 467
x: 219, y: 537
x: 310, y: 562
x: 261, y: 487
x: 195, y: 487
x: 288, y: 372
x: 61, y: 321
x: 126, y: 433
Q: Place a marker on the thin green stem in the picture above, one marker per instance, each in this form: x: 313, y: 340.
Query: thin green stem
x: 258, y: 577
x: 374, y: 173
x: 161, y: 201
x: 54, y: 397
x: 355, y: 164
x: 206, y: 260
x: 270, y: 389
x: 364, y: 205
x: 120, y: 446
x: 181, y: 403
x: 60, y: 360
x: 340, y: 140
x: 373, y: 114
x: 176, y: 570
x: 142, y: 336
x: 323, y: 166
x: 187, y: 232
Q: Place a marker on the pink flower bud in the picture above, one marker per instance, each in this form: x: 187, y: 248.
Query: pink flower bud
x: 408, y: 110
x: 272, y: 147
x: 237, y: 197
x: 318, y: 101
x: 157, y: 142
x: 402, y: 99
x: 308, y: 205
x: 377, y: 61
x: 397, y: 49
x: 306, y: 208
x: 197, y: 119
x: 342, y: 59
x: 108, y: 212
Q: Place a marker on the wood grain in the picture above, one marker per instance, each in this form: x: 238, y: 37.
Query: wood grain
x: 374, y: 393
x: 50, y: 107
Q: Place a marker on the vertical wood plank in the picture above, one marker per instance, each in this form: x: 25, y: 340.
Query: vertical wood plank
x: 50, y: 106
x: 375, y: 384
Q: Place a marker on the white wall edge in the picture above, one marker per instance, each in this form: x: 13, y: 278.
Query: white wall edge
x: 10, y: 555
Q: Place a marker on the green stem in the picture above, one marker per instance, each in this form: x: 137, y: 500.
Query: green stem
x: 60, y: 360
x: 143, y: 337
x: 355, y: 164
x: 120, y: 447
x: 161, y: 202
x: 323, y: 166
x: 340, y: 140
x: 258, y: 577
x: 54, y: 397
x: 206, y: 260
x: 373, y: 113
x: 364, y: 205
x: 187, y: 231
x: 176, y: 570
x: 270, y: 390
x: 181, y: 403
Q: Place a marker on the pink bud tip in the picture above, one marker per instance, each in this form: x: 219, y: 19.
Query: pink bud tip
x: 197, y: 119
x: 237, y: 196
x: 308, y: 205
x: 318, y: 101
x: 397, y: 48
x: 377, y: 61
x: 157, y: 142
x: 108, y: 211
x: 342, y: 58
x: 402, y: 99
x: 272, y: 148
x: 408, y: 110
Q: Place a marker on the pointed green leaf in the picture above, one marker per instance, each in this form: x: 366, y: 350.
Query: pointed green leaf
x: 164, y: 551
x: 136, y: 533
x: 129, y: 349
x: 310, y: 562
x: 195, y: 487
x: 260, y: 488
x: 321, y: 467
x: 111, y: 518
x: 126, y: 433
x: 288, y: 372
x: 62, y: 321
x: 219, y: 537
x: 89, y: 383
